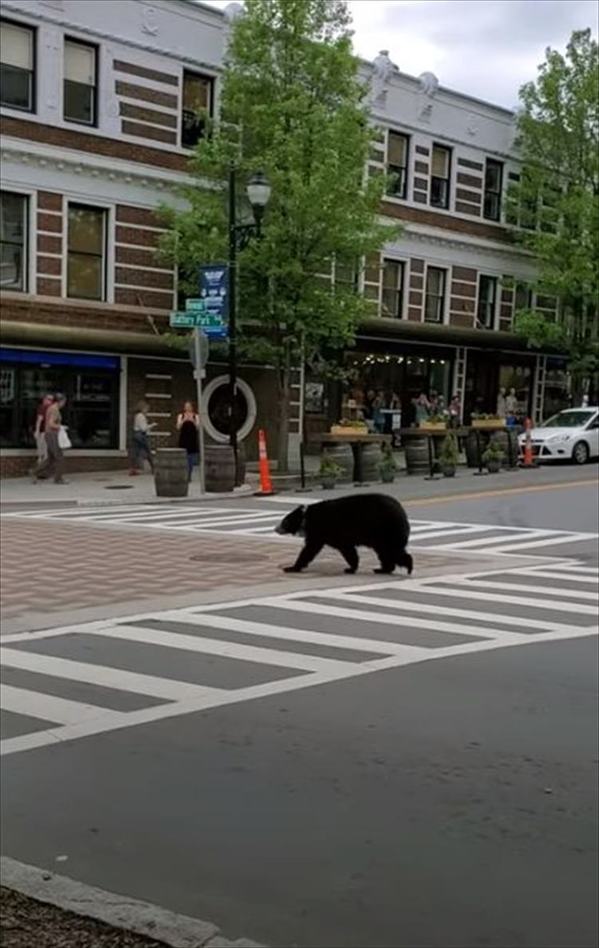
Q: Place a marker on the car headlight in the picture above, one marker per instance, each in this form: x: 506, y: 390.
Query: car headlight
x: 559, y: 437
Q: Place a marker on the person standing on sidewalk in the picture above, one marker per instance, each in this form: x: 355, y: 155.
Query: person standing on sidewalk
x: 141, y: 444
x: 188, y: 424
x: 39, y: 433
x: 54, y: 464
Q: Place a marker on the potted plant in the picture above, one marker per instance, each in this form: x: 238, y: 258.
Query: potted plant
x: 448, y: 456
x: 387, y: 466
x: 493, y: 457
x: 329, y: 472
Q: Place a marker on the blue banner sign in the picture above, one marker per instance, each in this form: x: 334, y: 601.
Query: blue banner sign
x: 214, y: 293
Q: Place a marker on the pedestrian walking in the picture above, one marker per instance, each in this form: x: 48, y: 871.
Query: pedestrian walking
x: 188, y: 426
x: 141, y: 450
x: 54, y: 464
x: 39, y: 433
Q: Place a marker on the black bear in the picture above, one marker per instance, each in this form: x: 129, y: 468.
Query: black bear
x: 373, y: 520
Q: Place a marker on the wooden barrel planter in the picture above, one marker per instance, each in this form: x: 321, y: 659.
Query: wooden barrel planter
x: 416, y: 455
x: 370, y: 457
x: 219, y: 468
x: 342, y: 455
x: 171, y: 477
x: 472, y: 449
x: 502, y: 438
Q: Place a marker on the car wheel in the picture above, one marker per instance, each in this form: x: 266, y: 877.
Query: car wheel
x: 580, y: 453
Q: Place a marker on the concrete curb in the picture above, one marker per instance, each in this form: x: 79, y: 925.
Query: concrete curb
x: 143, y: 918
x: 246, y: 490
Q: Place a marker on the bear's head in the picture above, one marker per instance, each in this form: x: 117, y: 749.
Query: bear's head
x: 293, y: 523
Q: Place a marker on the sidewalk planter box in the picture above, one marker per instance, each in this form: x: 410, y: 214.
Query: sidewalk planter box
x: 486, y: 423
x: 433, y: 426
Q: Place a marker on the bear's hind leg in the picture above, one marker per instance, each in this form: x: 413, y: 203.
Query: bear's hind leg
x: 404, y: 559
x: 387, y: 558
x: 307, y: 554
x: 350, y: 554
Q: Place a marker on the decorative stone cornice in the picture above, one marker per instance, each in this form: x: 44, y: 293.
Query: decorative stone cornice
x: 83, y: 164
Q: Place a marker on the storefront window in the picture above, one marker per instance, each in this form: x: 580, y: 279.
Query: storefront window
x: 90, y: 383
x: 398, y: 379
x: 557, y: 395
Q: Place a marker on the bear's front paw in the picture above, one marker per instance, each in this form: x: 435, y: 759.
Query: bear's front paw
x: 349, y: 571
x: 291, y: 569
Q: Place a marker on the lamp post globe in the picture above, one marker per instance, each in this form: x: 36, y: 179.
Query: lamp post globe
x: 258, y: 191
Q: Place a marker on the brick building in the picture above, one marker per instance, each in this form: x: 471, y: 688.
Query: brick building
x: 98, y: 116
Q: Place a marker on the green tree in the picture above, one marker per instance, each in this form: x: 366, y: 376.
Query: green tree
x: 292, y: 105
x: 556, y: 202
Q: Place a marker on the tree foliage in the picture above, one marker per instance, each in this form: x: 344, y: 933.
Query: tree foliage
x: 292, y: 105
x: 556, y: 201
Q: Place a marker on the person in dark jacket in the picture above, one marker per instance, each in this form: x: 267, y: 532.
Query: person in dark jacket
x: 188, y: 425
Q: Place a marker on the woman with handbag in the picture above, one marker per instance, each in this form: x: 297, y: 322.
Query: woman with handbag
x: 54, y: 434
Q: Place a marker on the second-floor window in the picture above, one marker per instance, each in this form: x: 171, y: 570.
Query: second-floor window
x: 86, y: 263
x: 434, y: 303
x: 397, y: 164
x: 197, y: 103
x: 13, y: 241
x: 80, y: 82
x: 487, y: 298
x: 440, y: 171
x: 392, y: 288
x: 17, y: 66
x: 493, y: 181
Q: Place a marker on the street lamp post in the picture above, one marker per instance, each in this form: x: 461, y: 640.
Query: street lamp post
x: 258, y: 192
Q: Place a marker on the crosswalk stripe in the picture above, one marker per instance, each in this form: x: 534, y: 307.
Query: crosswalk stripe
x: 555, y: 574
x: 160, y: 515
x: 390, y: 618
x: 403, y: 605
x: 229, y: 623
x: 244, y: 653
x: 234, y: 520
x: 551, y: 541
x: 150, y: 685
x: 524, y: 587
x: 50, y: 708
x: 509, y: 538
x: 572, y: 568
x: 453, y: 532
x: 464, y: 593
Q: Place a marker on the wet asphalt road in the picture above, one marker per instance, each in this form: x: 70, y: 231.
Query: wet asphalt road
x: 451, y: 803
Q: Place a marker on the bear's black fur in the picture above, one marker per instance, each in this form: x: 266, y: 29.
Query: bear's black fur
x: 373, y: 520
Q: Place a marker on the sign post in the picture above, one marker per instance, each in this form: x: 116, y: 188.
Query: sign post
x: 199, y: 356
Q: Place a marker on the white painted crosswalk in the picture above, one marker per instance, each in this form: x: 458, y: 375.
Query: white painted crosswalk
x: 73, y: 682
x: 260, y: 522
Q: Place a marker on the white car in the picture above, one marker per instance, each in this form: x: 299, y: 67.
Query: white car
x: 571, y: 434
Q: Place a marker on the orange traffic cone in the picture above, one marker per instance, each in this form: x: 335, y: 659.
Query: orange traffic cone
x: 529, y: 460
x: 265, y: 481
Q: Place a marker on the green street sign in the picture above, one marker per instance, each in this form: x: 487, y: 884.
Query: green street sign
x: 195, y: 305
x: 182, y: 320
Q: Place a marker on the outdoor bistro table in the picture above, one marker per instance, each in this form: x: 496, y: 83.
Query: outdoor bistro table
x: 365, y: 461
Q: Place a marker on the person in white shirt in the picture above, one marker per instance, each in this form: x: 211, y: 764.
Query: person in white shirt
x: 141, y: 450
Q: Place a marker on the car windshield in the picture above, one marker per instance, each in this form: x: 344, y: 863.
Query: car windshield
x: 569, y: 419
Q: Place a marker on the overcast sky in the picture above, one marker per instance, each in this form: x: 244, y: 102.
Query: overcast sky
x: 486, y: 48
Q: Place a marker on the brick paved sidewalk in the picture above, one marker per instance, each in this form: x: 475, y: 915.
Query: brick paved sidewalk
x: 48, y: 567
